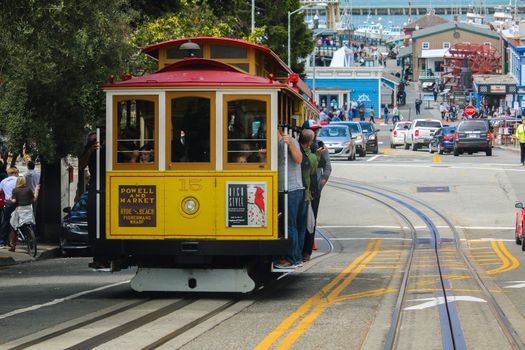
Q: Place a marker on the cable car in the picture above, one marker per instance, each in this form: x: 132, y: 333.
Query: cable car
x: 189, y: 190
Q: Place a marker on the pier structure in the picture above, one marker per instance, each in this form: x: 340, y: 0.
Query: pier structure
x: 337, y: 8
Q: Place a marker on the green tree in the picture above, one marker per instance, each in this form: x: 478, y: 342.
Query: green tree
x: 275, y: 20
x: 54, y: 56
x: 192, y: 19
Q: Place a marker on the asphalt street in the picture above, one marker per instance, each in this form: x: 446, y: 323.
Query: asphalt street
x: 344, y: 299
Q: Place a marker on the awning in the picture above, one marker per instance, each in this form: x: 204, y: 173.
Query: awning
x: 437, y: 53
x: 324, y: 31
x: 405, y: 52
x: 390, y: 81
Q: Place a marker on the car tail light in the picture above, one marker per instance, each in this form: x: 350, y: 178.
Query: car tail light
x: 417, y: 133
x: 456, y: 135
x: 447, y: 138
x: 395, y: 133
x: 488, y: 134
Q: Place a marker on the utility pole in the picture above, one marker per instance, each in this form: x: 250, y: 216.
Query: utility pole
x: 253, y: 16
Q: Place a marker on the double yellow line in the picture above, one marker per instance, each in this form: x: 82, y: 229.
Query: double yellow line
x: 316, y: 304
x: 509, y: 262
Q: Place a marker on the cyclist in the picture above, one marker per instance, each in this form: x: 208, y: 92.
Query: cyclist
x: 23, y: 198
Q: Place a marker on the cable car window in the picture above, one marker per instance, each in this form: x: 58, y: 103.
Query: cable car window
x: 247, y: 131
x: 190, y: 130
x: 175, y: 53
x: 135, y: 131
x: 244, y: 66
x: 220, y: 51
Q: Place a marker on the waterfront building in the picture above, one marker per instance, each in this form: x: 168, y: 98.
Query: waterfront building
x: 426, y: 21
x: 514, y: 39
x: 336, y: 86
x: 430, y: 45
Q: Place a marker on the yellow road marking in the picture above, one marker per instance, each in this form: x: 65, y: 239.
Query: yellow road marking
x: 369, y: 293
x: 387, y: 150
x: 437, y: 158
x: 306, y: 322
x: 509, y: 262
x: 315, y: 299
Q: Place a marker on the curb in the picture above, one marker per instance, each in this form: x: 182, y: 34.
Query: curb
x: 44, y: 255
x: 7, y: 261
x: 515, y: 150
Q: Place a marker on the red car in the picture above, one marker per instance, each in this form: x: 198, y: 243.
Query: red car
x: 520, y: 220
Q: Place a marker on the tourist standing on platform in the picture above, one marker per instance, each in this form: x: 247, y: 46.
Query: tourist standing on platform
x: 295, y: 194
x: 520, y: 136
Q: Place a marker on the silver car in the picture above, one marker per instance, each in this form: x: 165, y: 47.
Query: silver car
x: 357, y: 135
x: 338, y: 140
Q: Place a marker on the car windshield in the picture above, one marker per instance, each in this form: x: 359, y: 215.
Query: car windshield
x: 473, y: 126
x: 449, y: 131
x: 428, y: 124
x: 367, y: 127
x: 333, y: 132
x: 401, y: 126
x: 354, y: 127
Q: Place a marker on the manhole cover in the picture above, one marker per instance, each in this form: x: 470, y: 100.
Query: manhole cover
x: 433, y: 189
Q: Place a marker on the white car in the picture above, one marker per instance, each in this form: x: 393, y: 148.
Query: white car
x: 421, y: 132
x: 398, y: 132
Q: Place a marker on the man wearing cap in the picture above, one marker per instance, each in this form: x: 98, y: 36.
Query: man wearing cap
x: 324, y: 168
x: 89, y: 158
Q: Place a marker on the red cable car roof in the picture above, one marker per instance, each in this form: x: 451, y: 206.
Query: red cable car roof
x: 197, y: 72
x: 153, y: 50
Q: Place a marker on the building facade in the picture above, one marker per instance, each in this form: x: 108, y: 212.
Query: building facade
x: 430, y: 45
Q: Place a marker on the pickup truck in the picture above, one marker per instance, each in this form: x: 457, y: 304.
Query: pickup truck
x: 421, y: 132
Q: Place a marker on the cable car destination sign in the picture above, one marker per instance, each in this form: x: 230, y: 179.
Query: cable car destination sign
x: 137, y: 206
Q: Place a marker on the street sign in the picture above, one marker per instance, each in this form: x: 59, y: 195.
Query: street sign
x: 470, y: 110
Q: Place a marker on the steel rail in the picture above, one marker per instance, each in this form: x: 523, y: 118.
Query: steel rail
x: 395, y: 324
x: 456, y: 338
x: 509, y: 332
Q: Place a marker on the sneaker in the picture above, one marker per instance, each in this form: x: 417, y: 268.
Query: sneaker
x: 299, y: 264
x: 283, y: 264
x: 2, y: 246
x: 306, y: 257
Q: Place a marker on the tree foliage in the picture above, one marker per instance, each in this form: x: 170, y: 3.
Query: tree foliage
x: 54, y: 56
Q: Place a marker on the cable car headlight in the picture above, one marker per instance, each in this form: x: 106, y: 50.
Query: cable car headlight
x: 190, y: 205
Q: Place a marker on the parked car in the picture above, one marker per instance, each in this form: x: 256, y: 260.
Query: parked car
x: 473, y: 136
x: 442, y: 140
x: 371, y: 137
x: 74, y: 233
x: 357, y: 135
x: 420, y: 132
x: 398, y: 132
x: 520, y: 220
x: 338, y: 140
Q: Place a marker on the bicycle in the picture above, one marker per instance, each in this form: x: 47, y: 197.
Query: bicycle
x: 26, y: 234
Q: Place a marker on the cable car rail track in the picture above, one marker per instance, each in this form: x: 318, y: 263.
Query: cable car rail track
x: 134, y: 323
x: 457, y: 339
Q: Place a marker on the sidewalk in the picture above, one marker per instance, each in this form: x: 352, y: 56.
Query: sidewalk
x: 45, y: 251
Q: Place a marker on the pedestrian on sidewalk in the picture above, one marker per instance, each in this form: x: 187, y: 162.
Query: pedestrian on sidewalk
x: 385, y: 113
x: 353, y: 106
x: 418, y: 106
x: 372, y: 114
x: 435, y: 92
x: 23, y: 199
x: 442, y: 110
x: 520, y: 136
x: 361, y: 111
